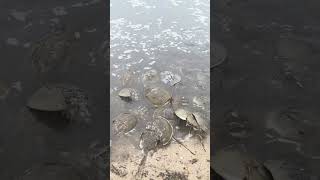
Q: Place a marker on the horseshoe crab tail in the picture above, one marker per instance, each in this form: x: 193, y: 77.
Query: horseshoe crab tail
x: 183, y: 145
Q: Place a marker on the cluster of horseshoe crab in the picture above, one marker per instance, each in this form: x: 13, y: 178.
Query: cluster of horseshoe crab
x: 236, y: 163
x: 168, y: 110
x: 85, y: 166
x: 49, y: 54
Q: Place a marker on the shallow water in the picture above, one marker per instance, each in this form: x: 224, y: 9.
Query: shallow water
x: 144, y: 38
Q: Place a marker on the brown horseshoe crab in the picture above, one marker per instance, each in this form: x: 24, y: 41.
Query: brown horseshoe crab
x: 124, y: 122
x: 72, y: 101
x: 157, y: 96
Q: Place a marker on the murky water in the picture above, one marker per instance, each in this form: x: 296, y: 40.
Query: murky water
x: 254, y: 84
x: 163, y: 36
x: 25, y: 141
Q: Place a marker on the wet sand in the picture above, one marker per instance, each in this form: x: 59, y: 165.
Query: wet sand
x: 171, y: 162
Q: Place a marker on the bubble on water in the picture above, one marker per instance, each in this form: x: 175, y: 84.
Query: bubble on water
x: 151, y: 63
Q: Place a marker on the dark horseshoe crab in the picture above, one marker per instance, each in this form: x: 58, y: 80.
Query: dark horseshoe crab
x: 52, y: 49
x: 233, y: 164
x: 124, y: 122
x: 73, y: 102
x: 157, y: 96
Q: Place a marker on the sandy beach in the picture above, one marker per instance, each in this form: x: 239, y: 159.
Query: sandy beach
x: 171, y: 162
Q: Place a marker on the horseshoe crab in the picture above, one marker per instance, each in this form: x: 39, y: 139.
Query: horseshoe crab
x: 150, y: 77
x: 238, y: 125
x: 127, y: 78
x: 72, y: 101
x: 232, y: 164
x: 159, y: 132
x: 201, y: 122
x: 168, y: 77
x: 51, y: 50
x: 157, y: 96
x: 47, y: 99
x: 285, y: 123
x: 74, y: 166
x: 182, y: 114
x: 164, y: 129
x: 124, y: 122
x: 149, y: 140
x: 165, y: 112
x: 190, y: 118
x: 128, y: 94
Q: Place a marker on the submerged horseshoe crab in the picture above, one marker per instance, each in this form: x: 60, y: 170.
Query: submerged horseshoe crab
x: 232, y: 164
x: 165, y: 112
x: 51, y: 50
x: 157, y: 96
x: 285, y: 123
x: 72, y: 101
x: 150, y: 77
x: 238, y: 125
x: 124, y: 122
x: 168, y: 77
x: 77, y: 166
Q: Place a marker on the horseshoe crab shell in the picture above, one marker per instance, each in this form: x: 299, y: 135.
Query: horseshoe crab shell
x: 232, y: 164
x: 150, y: 77
x: 168, y: 77
x: 201, y: 122
x: 157, y: 96
x: 191, y: 118
x: 127, y: 78
x: 51, y: 50
x: 164, y: 129
x: 165, y: 112
x: 47, y: 99
x: 124, y: 122
x: 127, y: 93
x: 182, y: 113
x: 149, y: 140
